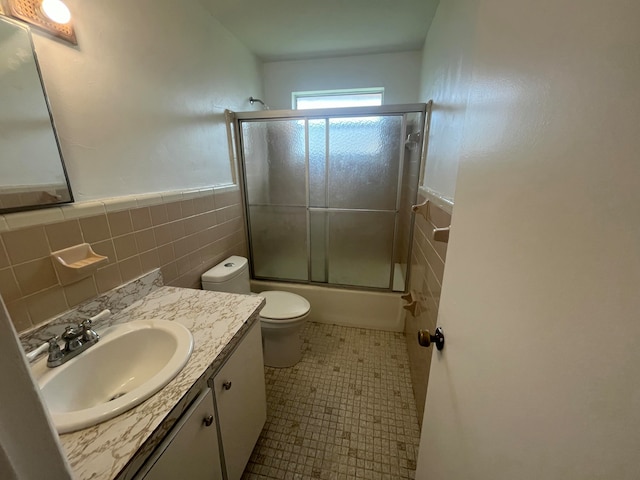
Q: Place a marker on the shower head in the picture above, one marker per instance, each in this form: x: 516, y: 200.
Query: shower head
x: 254, y: 100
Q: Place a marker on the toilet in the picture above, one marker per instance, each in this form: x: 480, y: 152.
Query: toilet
x: 281, y: 318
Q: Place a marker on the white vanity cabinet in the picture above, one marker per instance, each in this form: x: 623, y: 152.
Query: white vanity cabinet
x: 191, y: 449
x: 240, y: 397
x: 214, y: 438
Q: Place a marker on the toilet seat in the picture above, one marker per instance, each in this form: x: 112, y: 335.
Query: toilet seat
x: 283, y: 307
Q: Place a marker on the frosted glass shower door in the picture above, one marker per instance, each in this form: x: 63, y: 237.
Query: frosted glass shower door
x: 275, y: 176
x: 364, y: 162
x: 323, y: 196
x: 360, y: 248
x: 363, y: 166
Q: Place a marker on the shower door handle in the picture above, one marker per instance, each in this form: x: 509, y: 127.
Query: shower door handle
x: 425, y: 339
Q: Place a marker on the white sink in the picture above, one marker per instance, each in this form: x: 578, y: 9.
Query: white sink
x: 130, y: 363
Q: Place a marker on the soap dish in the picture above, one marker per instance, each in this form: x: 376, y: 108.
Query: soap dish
x: 77, y: 262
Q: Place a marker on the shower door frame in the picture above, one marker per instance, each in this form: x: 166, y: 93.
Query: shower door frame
x: 324, y: 113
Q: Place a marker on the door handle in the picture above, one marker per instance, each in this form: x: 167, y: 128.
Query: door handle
x: 425, y: 339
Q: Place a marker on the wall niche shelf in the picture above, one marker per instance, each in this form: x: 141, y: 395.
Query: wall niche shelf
x: 75, y: 263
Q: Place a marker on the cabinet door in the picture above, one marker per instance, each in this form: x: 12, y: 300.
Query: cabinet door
x: 241, y: 400
x: 191, y: 448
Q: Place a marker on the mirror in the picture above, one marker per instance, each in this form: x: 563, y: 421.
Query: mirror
x: 32, y: 172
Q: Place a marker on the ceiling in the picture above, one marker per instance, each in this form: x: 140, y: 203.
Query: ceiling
x: 298, y: 29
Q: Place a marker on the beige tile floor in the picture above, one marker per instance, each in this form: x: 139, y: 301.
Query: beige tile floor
x: 346, y: 411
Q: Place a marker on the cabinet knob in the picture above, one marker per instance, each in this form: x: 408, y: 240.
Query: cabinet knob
x: 227, y: 385
x: 208, y: 421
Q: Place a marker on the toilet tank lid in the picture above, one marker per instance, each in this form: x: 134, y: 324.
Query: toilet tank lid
x: 225, y: 270
x: 282, y: 305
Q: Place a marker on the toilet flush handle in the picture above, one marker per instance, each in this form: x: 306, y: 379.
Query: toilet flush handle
x: 227, y: 385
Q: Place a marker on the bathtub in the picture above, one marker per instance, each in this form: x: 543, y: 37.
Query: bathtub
x: 351, y: 308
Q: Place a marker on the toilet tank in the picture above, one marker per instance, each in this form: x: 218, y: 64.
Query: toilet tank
x: 230, y: 275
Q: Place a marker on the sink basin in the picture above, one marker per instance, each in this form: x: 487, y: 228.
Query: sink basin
x: 130, y: 363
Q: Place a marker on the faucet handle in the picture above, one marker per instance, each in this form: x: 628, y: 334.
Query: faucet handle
x: 50, y: 346
x: 72, y: 337
x: 71, y: 333
x: 88, y: 334
x: 54, y: 349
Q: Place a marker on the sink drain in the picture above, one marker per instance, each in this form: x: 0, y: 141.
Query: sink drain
x: 117, y: 395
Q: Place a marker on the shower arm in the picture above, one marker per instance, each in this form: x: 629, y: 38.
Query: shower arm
x: 254, y: 100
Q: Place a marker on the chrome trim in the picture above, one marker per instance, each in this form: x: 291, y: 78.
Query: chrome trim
x: 292, y: 205
x: 426, y: 127
x: 363, y: 210
x: 253, y: 100
x: 230, y: 120
x: 332, y: 112
x: 423, y: 128
x: 327, y: 171
x: 326, y: 285
x: 243, y: 189
x: 308, y: 193
x: 394, y: 245
x: 320, y: 209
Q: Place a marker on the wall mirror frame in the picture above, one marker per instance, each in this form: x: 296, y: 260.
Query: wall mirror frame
x: 32, y: 170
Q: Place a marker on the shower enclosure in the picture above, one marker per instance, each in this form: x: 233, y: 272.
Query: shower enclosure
x: 328, y: 193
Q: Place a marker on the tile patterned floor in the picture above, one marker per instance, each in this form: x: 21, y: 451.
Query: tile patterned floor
x: 346, y: 411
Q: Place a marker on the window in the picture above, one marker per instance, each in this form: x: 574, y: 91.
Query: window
x: 365, y: 97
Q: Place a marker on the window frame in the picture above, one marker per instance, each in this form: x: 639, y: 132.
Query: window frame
x: 335, y: 92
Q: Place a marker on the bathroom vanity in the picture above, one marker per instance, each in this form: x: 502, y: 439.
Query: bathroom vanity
x: 232, y: 409
x: 207, y: 419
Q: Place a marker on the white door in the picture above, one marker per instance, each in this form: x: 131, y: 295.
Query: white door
x: 540, y: 375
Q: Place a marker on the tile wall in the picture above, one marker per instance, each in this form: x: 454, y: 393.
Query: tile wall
x: 427, y: 270
x: 183, y: 233
x: 24, y: 195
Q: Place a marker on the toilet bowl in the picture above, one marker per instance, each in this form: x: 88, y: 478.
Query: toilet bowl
x: 281, y: 319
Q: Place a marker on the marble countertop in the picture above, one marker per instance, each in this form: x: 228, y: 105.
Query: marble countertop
x: 118, y: 447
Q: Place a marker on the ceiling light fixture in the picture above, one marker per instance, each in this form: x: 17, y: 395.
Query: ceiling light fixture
x: 56, y: 11
x: 52, y: 16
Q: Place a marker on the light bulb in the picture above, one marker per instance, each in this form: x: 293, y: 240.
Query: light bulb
x: 56, y: 11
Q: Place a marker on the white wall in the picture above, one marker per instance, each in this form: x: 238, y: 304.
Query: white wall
x: 445, y: 79
x: 398, y: 73
x: 540, y: 300
x: 139, y: 103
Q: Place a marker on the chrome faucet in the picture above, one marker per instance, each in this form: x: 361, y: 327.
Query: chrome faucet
x: 76, y: 340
